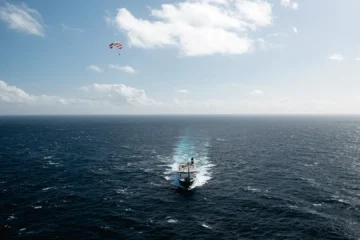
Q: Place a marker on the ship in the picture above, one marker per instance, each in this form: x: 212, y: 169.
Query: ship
x: 187, y: 174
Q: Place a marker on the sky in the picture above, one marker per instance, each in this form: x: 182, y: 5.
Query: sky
x: 180, y: 57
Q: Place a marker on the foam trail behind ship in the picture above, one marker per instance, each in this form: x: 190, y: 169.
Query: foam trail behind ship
x: 186, y: 148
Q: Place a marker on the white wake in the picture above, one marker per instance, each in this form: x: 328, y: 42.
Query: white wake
x: 187, y: 148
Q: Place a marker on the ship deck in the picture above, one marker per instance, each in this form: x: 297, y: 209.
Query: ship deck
x: 183, y: 168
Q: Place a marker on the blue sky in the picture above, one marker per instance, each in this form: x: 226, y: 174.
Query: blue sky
x: 184, y: 56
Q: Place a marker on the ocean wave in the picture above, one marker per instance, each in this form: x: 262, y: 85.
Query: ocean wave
x: 206, y: 226
x: 171, y: 220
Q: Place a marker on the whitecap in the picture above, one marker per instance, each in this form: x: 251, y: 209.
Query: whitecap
x: 172, y: 220
x: 121, y: 190
x: 293, y: 207
x: 154, y: 184
x: 206, y: 226
x: 342, y: 201
x: 53, y: 163
x: 163, y: 159
x: 311, y: 165
x: 48, y: 157
x: 317, y: 204
x: 37, y: 207
x: 248, y: 188
x: 12, y: 217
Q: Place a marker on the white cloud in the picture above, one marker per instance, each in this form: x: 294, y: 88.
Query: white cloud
x: 274, y: 34
x: 336, y: 57
x: 358, y: 59
x: 290, y: 4
x: 182, y: 91
x: 95, y: 94
x: 15, y: 95
x: 285, y: 3
x: 12, y: 94
x: 257, y: 92
x: 122, y: 99
x: 198, y: 27
x: 68, y: 28
x: 22, y: 18
x: 257, y: 12
x: 294, y: 5
x: 95, y: 68
x: 126, y: 69
x: 118, y: 94
x: 295, y: 30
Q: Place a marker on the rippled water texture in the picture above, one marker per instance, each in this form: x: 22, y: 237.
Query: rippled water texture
x: 111, y: 177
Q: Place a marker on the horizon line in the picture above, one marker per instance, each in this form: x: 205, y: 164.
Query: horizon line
x: 183, y: 114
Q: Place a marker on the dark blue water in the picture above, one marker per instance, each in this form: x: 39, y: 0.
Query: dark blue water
x: 110, y: 177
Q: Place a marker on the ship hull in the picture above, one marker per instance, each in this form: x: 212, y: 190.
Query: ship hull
x: 186, y: 183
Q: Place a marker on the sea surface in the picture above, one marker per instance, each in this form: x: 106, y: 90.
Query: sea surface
x: 111, y: 177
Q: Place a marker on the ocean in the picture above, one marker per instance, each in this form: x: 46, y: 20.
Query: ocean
x: 111, y: 177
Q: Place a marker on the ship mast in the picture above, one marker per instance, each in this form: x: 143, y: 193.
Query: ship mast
x: 189, y: 170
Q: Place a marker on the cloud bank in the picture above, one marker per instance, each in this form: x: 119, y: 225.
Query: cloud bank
x: 122, y: 99
x: 198, y: 27
x: 107, y: 96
